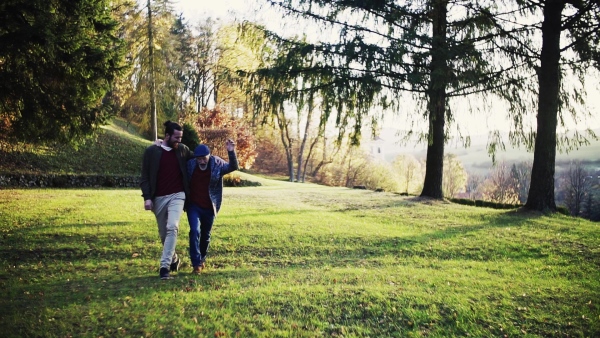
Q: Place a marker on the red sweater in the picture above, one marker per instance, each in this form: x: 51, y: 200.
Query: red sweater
x: 170, y: 178
x: 199, y: 188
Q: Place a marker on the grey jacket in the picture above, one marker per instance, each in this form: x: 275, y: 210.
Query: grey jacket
x: 218, y: 169
x: 150, y: 164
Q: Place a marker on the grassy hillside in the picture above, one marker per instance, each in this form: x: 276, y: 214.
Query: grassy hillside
x: 116, y: 150
x: 295, y: 260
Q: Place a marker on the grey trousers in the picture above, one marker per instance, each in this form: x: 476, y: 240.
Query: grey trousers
x: 168, y: 210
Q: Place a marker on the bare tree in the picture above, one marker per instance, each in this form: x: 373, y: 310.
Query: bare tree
x: 473, y: 183
x: 454, y: 177
x: 152, y: 81
x: 325, y: 158
x: 521, y: 175
x: 576, y: 185
x: 409, y: 172
x: 500, y: 186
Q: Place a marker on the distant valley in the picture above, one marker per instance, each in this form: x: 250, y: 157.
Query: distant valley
x: 476, y: 159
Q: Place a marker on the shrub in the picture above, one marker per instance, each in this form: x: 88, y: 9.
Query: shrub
x: 233, y: 180
x: 563, y: 210
x: 485, y: 204
x: 464, y: 201
x: 379, y: 175
x: 190, y: 136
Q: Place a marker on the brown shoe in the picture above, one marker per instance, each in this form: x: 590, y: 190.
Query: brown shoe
x: 197, y: 269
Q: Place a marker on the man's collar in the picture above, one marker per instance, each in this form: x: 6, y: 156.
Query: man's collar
x: 166, y: 148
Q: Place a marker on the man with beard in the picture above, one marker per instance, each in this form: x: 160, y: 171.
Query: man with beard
x: 205, y: 174
x: 164, y: 187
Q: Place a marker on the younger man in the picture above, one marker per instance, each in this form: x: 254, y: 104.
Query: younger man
x: 164, y: 186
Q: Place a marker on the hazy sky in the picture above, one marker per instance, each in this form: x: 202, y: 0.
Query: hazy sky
x: 256, y: 10
x: 195, y: 9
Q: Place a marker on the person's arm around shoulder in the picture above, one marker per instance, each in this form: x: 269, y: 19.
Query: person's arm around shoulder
x: 189, y: 167
x: 188, y: 154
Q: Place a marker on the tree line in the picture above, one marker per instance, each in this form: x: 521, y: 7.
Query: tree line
x: 67, y: 67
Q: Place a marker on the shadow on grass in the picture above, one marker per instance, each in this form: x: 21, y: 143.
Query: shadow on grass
x: 35, y: 244
x: 463, y: 242
x: 25, y: 304
x: 32, y: 244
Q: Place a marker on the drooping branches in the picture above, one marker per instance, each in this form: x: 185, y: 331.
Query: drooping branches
x: 434, y: 50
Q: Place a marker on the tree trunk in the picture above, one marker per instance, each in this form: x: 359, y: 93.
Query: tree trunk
x: 203, y: 96
x: 216, y: 89
x: 324, y: 159
x: 434, y: 168
x: 152, y: 82
x: 541, y: 190
x: 287, y: 142
x: 300, y: 173
x: 309, y: 156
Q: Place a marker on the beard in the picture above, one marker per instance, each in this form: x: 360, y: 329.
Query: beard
x: 173, y: 144
x: 202, y: 166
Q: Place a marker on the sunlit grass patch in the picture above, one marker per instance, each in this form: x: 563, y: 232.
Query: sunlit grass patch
x: 296, y: 260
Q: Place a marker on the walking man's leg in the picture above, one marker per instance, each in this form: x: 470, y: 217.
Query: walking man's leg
x: 168, y: 210
x: 193, y: 214
x: 207, y: 219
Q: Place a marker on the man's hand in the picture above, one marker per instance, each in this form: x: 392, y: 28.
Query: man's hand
x: 158, y: 142
x: 148, y: 205
x: 230, y: 145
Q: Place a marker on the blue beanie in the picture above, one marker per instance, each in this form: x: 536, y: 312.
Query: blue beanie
x: 201, y: 150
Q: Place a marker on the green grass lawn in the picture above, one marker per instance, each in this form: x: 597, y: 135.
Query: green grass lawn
x: 296, y: 260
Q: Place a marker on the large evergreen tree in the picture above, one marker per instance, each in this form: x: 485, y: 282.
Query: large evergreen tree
x: 555, y: 42
x: 582, y: 28
x: 435, y: 49
x: 58, y: 59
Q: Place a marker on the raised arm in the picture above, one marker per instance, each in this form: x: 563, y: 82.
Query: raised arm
x: 233, y: 164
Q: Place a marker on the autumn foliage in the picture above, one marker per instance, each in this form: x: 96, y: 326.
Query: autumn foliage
x: 271, y: 157
x: 215, y: 126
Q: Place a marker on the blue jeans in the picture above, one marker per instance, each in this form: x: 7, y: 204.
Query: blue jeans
x: 201, y: 222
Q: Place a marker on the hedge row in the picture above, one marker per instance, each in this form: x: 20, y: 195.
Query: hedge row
x: 494, y: 205
x: 91, y: 181
x: 68, y: 181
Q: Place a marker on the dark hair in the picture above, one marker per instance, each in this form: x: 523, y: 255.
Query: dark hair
x: 170, y: 127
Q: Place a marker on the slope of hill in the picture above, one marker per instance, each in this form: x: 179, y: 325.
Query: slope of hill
x: 114, y: 151
x: 117, y: 150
